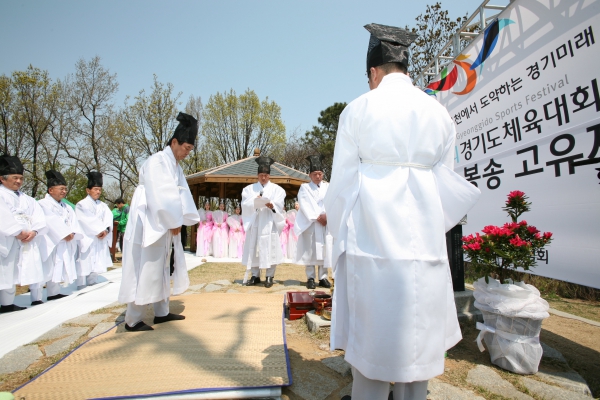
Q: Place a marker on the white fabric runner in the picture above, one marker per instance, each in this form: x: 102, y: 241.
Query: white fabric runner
x: 22, y: 327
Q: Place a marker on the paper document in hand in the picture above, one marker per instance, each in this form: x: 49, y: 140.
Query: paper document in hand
x: 260, y: 202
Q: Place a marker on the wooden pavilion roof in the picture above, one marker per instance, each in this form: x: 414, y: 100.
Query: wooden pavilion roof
x: 228, y: 180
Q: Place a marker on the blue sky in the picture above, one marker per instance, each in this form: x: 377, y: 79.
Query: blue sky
x: 304, y: 55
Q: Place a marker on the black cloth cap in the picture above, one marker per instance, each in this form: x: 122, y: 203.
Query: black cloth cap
x: 94, y: 179
x: 316, y: 163
x: 388, y: 44
x: 55, y: 178
x: 10, y: 165
x: 264, y: 164
x: 187, y: 130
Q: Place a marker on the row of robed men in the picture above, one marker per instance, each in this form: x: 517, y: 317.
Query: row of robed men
x: 48, y: 242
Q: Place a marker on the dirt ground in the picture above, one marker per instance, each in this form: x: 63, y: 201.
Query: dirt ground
x: 577, y: 341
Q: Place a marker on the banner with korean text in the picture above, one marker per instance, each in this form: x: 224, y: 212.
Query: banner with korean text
x: 525, y: 99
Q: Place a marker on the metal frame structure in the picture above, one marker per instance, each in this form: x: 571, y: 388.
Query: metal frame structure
x: 440, y: 61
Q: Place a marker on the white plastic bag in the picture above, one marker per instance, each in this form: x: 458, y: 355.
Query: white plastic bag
x: 513, y: 315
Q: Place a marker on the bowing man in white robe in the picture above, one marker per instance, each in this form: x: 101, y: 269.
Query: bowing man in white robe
x: 314, y: 240
x: 62, y: 238
x: 393, y: 307
x: 161, y: 204
x: 22, y: 230
x: 262, y: 210
x: 96, y: 221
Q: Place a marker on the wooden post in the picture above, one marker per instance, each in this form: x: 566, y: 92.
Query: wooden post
x: 196, y: 196
x: 221, y: 190
x: 113, y: 249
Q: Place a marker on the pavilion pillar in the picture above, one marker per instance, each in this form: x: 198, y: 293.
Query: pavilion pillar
x: 196, y: 196
x: 222, y: 190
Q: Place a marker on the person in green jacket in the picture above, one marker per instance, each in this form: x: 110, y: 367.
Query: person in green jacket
x: 121, y: 213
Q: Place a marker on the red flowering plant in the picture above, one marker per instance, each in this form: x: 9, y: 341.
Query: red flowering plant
x: 501, y: 250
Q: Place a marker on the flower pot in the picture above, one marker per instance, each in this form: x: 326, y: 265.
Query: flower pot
x: 513, y: 315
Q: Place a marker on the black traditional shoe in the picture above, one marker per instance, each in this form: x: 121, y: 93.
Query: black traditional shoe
x: 269, y: 282
x: 56, y: 297
x: 310, y: 283
x: 140, y: 326
x: 255, y: 280
x: 324, y: 283
x: 167, y: 318
x: 37, y: 303
x: 10, y: 308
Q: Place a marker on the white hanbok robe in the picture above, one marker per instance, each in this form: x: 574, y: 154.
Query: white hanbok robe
x: 236, y: 236
x: 262, y: 247
x: 59, y: 256
x: 161, y: 202
x: 393, y: 306
x: 314, y: 240
x: 200, y: 233
x: 220, y: 234
x: 94, y: 253
x: 292, y: 238
x: 20, y: 263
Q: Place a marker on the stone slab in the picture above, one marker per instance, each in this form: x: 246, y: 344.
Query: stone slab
x: 212, y: 288
x: 88, y: 319
x: 197, y: 287
x: 61, y: 331
x: 119, y: 310
x: 552, y: 354
x: 464, y: 301
x: 567, y: 380
x: 490, y: 380
x: 232, y: 291
x: 222, y: 282
x: 311, y: 385
x: 439, y: 390
x: 292, y: 282
x: 575, y: 317
x: 315, y: 322
x: 545, y: 391
x: 338, y: 364
x: 346, y: 391
x: 19, y: 359
x: 62, y: 344
x: 101, y: 328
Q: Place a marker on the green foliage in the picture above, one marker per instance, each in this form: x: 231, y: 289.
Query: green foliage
x: 321, y: 139
x: 501, y: 251
x: 234, y: 126
x: 435, y: 28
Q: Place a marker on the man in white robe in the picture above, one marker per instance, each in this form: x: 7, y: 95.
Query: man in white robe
x: 62, y: 238
x: 262, y: 211
x: 22, y: 227
x: 314, y: 240
x: 161, y: 204
x: 393, y: 307
x: 96, y: 221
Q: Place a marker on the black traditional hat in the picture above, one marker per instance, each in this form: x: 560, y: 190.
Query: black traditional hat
x: 186, y: 131
x: 55, y: 178
x: 264, y: 164
x: 388, y: 44
x: 10, y: 165
x: 94, y: 179
x: 316, y: 163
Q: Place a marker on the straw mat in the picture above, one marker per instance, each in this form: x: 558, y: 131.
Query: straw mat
x: 227, y: 341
